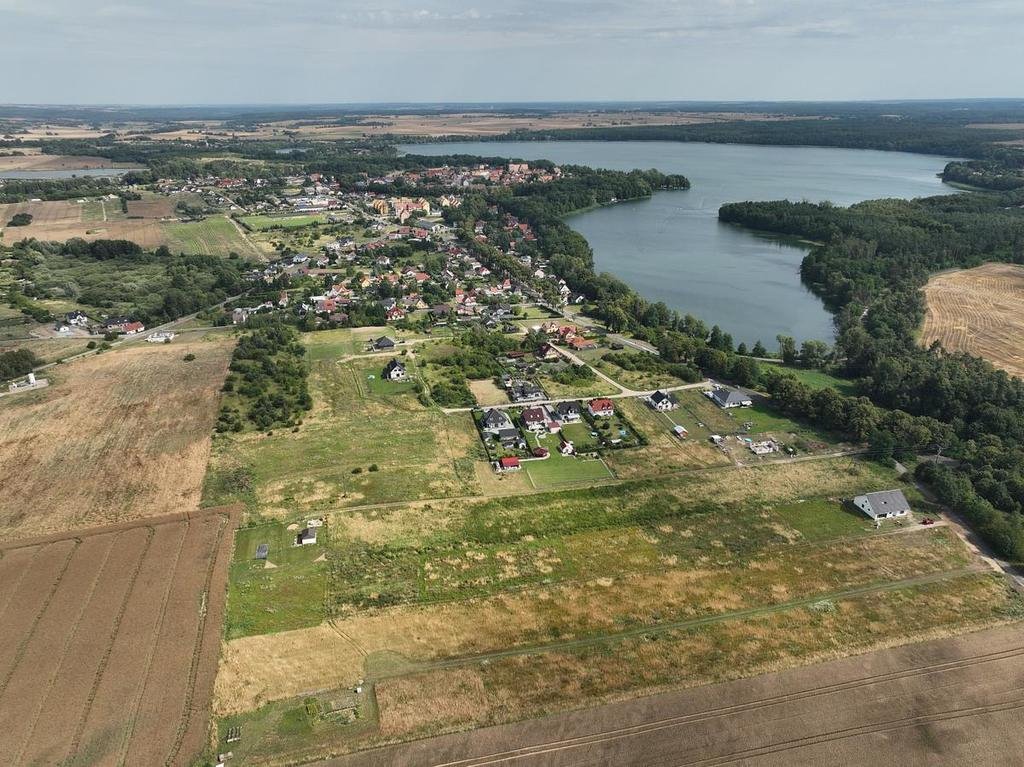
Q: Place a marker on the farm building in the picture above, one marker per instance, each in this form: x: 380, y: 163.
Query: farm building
x: 883, y: 504
x: 662, y: 401
x: 729, y: 398
x: 508, y: 463
x: 394, y: 371
x: 601, y: 408
x: 306, y: 537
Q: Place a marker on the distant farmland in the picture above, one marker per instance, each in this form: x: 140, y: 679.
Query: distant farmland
x: 980, y: 311
x: 110, y: 642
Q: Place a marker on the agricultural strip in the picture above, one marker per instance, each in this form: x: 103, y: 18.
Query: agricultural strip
x: 106, y: 655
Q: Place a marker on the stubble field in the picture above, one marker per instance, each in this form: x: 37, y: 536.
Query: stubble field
x: 979, y: 311
x: 110, y: 642
x: 116, y: 437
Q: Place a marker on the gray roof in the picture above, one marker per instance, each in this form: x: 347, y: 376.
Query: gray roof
x: 262, y: 550
x: 886, y: 500
x: 730, y: 397
x: 495, y: 419
x: 659, y: 395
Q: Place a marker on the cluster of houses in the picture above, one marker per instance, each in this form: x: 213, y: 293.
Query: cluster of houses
x: 463, y: 177
x: 498, y: 427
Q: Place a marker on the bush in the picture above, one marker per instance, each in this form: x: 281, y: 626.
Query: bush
x: 374, y: 467
x: 20, y: 219
x: 189, y: 357
x: 357, y: 470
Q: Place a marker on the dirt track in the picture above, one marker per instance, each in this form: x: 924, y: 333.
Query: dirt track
x: 110, y: 641
x: 952, y: 701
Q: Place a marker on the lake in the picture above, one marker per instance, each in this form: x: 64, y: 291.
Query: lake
x: 42, y: 175
x: 672, y: 247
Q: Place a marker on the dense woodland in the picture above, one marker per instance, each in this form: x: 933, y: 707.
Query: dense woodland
x: 267, y: 386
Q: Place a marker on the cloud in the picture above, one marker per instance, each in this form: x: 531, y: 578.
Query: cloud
x: 473, y: 50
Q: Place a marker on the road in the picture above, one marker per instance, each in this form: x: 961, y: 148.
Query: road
x: 623, y: 394
x: 949, y: 701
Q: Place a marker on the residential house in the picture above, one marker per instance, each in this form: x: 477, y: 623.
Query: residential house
x: 494, y: 420
x: 601, y: 408
x: 383, y: 343
x: 662, y: 401
x: 883, y: 504
x: 395, y: 313
x: 727, y: 398
x: 525, y: 391
x: 567, y: 412
x: 507, y: 463
x: 535, y: 419
x: 394, y: 371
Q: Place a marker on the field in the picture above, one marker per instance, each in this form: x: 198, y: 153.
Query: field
x: 41, y: 162
x: 979, y: 311
x: 110, y: 642
x: 215, y: 236
x: 463, y: 612
x: 824, y: 713
x: 365, y: 441
x: 62, y: 220
x: 263, y: 223
x: 118, y: 436
x: 47, y: 349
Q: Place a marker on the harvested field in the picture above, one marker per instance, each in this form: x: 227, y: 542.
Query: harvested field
x: 63, y: 220
x: 116, y: 437
x: 979, y: 311
x: 949, y: 701
x: 110, y: 641
x: 56, y: 162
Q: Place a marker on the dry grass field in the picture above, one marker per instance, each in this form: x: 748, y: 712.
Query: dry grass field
x: 119, y: 436
x: 62, y: 220
x: 110, y: 642
x: 40, y: 162
x: 951, y: 701
x: 979, y: 311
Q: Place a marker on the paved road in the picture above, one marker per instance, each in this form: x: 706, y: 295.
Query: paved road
x: 623, y: 394
x: 947, y: 702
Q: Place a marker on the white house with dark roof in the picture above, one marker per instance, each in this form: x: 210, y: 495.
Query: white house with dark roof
x: 727, y: 398
x: 883, y: 504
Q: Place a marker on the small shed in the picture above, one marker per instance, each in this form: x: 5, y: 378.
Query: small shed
x: 306, y: 537
x: 262, y: 550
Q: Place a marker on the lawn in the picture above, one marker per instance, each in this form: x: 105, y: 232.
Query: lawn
x: 819, y: 379
x: 215, y: 236
x: 822, y: 519
x: 564, y: 470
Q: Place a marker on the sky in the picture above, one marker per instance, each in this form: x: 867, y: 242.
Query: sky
x: 340, y: 51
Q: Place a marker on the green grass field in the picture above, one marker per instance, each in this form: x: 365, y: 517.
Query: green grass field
x: 215, y: 236
x: 263, y: 223
x: 819, y: 379
x: 822, y: 519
